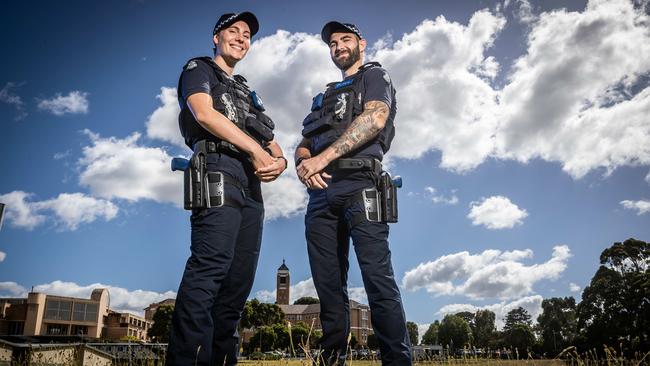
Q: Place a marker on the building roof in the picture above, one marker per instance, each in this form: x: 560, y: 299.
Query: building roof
x: 300, y: 309
x: 164, y: 302
x: 283, y: 267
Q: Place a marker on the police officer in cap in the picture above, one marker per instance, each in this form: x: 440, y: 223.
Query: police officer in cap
x: 222, y: 116
x: 345, y: 136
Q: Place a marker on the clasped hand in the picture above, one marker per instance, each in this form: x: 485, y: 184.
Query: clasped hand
x: 268, y: 168
x: 311, y: 174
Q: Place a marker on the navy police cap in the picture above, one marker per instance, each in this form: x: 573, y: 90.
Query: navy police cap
x: 333, y: 27
x: 230, y: 18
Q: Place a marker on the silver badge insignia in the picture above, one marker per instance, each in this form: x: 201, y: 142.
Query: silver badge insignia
x: 230, y: 112
x: 341, y: 105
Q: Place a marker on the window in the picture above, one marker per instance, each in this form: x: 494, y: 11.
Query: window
x: 79, y: 330
x: 57, y: 329
x: 58, y: 309
x: 283, y: 280
x: 84, y: 312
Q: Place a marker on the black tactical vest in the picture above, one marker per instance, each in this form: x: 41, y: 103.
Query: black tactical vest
x: 333, y: 111
x: 232, y: 98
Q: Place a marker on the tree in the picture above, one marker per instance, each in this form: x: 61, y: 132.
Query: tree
x: 430, y: 337
x: 516, y: 316
x: 281, y: 336
x: 162, y: 322
x: 264, y: 338
x: 483, y: 328
x: 353, y: 341
x: 257, y: 314
x: 372, y: 342
x: 615, y: 307
x: 306, y: 300
x: 299, y: 334
x: 466, y: 316
x: 412, y: 328
x: 521, y: 337
x: 557, y: 324
x: 454, y: 331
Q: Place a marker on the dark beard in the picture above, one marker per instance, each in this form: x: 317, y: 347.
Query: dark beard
x: 354, y: 56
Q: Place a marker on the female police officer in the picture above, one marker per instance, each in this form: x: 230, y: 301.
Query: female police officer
x: 221, y: 117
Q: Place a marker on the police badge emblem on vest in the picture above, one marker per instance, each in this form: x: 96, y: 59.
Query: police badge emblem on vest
x: 230, y: 112
x: 341, y: 105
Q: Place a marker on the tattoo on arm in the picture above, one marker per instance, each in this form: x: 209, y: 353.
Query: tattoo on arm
x: 363, y: 129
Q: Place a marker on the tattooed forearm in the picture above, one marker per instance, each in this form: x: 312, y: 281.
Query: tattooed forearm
x: 363, y: 129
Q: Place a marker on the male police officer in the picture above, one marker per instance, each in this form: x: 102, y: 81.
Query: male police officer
x: 344, y: 139
x: 224, y: 123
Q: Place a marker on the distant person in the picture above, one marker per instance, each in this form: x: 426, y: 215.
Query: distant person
x: 345, y: 136
x: 222, y: 121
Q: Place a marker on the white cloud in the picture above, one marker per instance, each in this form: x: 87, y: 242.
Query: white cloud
x: 12, y: 289
x: 574, y: 287
x: 532, y: 304
x: 422, y: 328
x: 557, y: 105
x: 641, y: 206
x: 162, y: 124
x: 285, y: 197
x: 20, y: 213
x: 121, y: 299
x: 564, y: 107
x: 72, y: 209
x: 490, y: 274
x: 3, y: 255
x: 69, y: 210
x: 121, y: 168
x: 75, y: 102
x: 445, y: 99
x: 524, y: 12
x: 496, y: 212
x: 647, y: 178
x: 9, y: 97
x: 433, y: 195
x: 306, y: 288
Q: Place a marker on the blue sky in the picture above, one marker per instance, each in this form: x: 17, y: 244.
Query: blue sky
x: 522, y: 138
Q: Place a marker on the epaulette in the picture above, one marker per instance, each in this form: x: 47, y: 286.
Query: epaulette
x: 369, y: 65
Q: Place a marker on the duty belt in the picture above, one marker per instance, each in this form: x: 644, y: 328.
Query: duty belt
x: 366, y: 164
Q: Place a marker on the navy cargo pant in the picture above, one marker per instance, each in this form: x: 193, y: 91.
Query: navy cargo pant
x: 219, y: 274
x: 328, y: 231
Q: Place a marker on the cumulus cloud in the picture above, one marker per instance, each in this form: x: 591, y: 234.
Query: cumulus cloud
x: 580, y: 111
x: 122, y: 299
x: 306, y: 288
x: 490, y: 274
x: 285, y: 197
x: 436, y: 197
x: 162, y: 124
x: 557, y: 105
x: 76, y: 102
x: 68, y: 210
x: 9, y: 97
x: 532, y: 304
x: 12, y: 289
x: 444, y: 93
x: 496, y: 212
x: 641, y: 206
x: 19, y: 212
x: 121, y: 168
x: 574, y: 287
x: 3, y: 255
